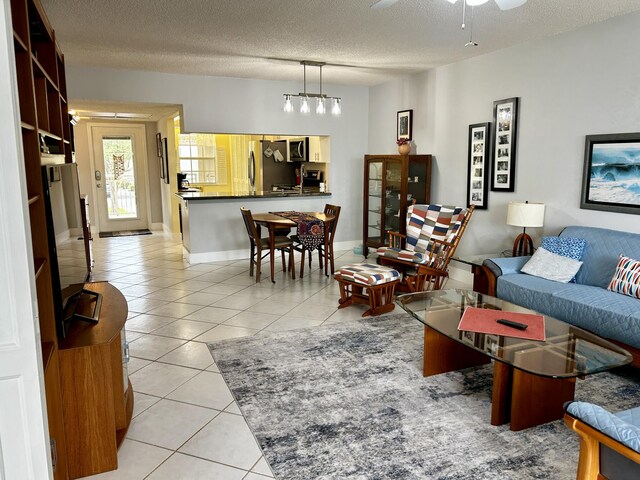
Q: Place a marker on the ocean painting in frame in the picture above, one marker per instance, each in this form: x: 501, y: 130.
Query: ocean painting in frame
x: 611, y: 176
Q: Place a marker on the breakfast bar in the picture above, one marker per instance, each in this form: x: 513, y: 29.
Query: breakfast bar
x: 211, y: 224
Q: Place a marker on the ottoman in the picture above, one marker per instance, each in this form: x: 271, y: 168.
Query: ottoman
x: 368, y: 284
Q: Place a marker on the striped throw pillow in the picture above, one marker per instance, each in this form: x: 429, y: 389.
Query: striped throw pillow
x: 626, y: 279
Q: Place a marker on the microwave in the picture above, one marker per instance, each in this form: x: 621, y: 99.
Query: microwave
x: 299, y: 149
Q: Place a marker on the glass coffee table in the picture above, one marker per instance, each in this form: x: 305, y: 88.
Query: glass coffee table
x: 531, y: 379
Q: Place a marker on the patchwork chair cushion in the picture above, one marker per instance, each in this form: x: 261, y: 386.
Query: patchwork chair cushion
x: 404, y: 255
x: 432, y: 222
x: 368, y: 274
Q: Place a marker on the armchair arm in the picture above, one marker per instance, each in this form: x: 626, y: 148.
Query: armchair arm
x: 506, y: 265
x: 606, y: 422
x: 396, y: 239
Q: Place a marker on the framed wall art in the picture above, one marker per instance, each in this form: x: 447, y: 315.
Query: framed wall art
x: 405, y: 124
x: 166, y: 160
x: 505, y: 119
x: 611, y: 175
x: 160, y: 156
x: 478, y: 167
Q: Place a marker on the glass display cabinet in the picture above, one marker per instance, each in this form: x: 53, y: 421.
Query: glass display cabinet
x: 391, y: 184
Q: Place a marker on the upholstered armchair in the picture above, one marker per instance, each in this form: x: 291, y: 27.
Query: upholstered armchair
x: 609, y: 443
x: 423, y: 254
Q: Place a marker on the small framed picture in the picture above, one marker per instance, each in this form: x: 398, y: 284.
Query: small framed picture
x: 478, y: 164
x: 159, y: 144
x: 166, y: 160
x: 405, y: 124
x: 611, y: 173
x: 505, y: 119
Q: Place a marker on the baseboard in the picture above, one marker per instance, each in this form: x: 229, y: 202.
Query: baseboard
x: 205, y: 257
x: 157, y: 226
x: 348, y: 245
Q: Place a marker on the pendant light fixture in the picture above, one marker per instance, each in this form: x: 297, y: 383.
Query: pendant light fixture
x: 321, y: 98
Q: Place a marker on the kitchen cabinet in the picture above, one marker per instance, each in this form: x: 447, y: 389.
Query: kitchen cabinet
x: 319, y: 149
x: 391, y: 184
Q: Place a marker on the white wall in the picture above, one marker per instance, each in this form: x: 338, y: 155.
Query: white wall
x: 232, y: 105
x: 571, y: 85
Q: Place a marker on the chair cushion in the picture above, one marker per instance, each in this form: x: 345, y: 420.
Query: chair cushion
x: 427, y: 222
x: 626, y: 278
x: 367, y: 274
x: 279, y: 242
x: 404, y: 255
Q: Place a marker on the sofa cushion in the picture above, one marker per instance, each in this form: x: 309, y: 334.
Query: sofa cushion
x: 528, y: 291
x: 566, y: 246
x: 601, y: 252
x: 592, y: 308
x: 599, y: 311
x: 626, y: 278
x: 554, y: 267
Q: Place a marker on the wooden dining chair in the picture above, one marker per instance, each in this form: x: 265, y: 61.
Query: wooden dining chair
x: 329, y: 232
x: 335, y: 211
x: 258, y: 244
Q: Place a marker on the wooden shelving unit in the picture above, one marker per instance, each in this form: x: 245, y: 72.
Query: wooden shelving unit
x: 74, y: 375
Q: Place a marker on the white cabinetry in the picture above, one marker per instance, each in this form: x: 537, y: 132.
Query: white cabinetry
x: 319, y: 149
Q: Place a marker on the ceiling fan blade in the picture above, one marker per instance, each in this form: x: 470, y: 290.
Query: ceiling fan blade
x: 509, y: 4
x: 383, y: 4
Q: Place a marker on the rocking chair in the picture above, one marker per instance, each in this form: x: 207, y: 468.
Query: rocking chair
x: 423, y: 254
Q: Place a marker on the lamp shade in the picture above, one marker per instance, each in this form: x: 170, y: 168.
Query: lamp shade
x: 520, y: 214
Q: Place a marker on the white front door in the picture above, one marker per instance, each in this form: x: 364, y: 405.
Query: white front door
x: 119, y: 160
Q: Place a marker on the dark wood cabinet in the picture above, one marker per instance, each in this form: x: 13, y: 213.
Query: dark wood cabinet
x: 391, y: 184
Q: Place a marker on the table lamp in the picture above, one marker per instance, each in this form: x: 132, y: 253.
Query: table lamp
x: 524, y: 215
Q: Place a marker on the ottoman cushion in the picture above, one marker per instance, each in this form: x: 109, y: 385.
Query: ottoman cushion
x: 368, y: 274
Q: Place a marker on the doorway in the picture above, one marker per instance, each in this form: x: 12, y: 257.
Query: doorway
x: 119, y: 176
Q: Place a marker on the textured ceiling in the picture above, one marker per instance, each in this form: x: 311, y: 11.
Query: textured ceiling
x: 263, y: 39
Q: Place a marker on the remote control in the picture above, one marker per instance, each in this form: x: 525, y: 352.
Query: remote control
x: 512, y: 324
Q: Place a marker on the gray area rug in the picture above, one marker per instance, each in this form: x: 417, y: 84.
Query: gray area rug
x: 349, y: 401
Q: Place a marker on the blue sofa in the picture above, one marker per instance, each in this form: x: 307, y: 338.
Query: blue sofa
x: 586, y: 303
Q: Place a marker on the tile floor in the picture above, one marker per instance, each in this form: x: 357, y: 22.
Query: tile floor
x: 186, y: 424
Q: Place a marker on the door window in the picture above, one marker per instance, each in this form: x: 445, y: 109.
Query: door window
x: 120, y: 181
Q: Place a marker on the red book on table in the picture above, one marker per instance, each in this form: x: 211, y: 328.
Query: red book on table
x: 484, y: 320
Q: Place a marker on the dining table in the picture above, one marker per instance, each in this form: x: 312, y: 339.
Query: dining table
x: 273, y: 222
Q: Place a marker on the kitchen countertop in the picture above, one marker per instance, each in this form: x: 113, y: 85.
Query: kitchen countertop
x: 260, y: 194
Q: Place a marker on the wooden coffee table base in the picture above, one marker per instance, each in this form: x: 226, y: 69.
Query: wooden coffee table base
x: 527, y: 400
x: 442, y: 355
x: 518, y: 397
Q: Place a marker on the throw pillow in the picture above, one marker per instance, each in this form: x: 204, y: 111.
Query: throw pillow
x: 551, y: 266
x: 566, y: 246
x: 626, y: 278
